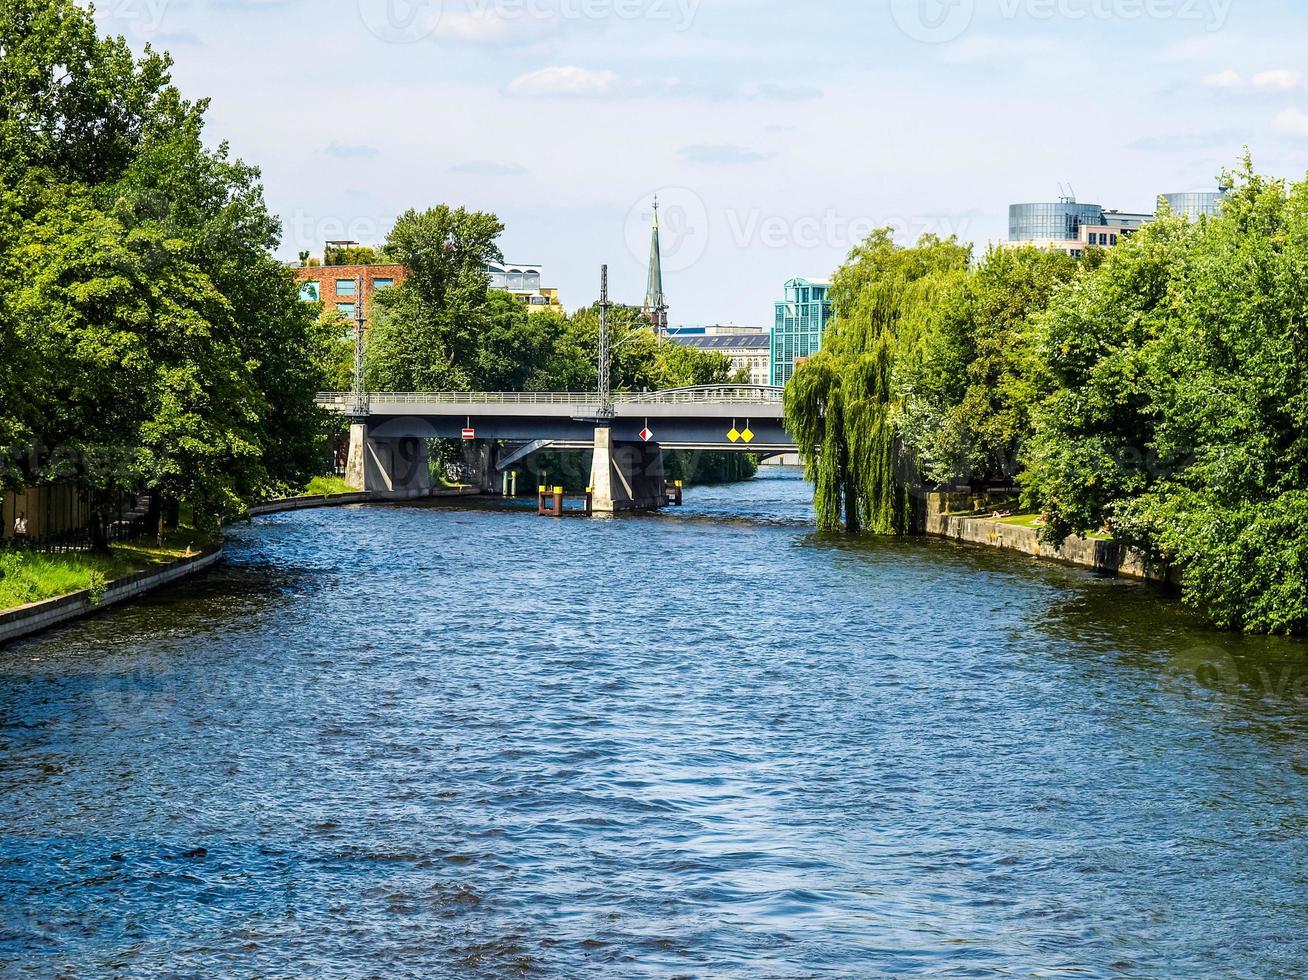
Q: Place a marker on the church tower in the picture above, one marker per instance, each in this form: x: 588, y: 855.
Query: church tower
x: 656, y: 303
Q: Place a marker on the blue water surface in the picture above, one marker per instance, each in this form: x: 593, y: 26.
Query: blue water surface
x: 462, y: 740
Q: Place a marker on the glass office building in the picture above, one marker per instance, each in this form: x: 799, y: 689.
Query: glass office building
x: 1052, y: 221
x: 1195, y: 203
x: 797, y: 329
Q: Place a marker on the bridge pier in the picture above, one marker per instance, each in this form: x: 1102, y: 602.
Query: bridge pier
x: 625, y: 476
x: 395, y: 467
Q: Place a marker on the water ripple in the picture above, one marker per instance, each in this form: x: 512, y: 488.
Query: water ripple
x: 432, y: 740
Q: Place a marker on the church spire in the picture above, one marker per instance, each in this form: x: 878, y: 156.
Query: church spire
x: 656, y: 303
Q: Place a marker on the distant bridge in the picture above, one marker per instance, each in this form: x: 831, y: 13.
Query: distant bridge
x: 685, y: 418
x: 388, y: 441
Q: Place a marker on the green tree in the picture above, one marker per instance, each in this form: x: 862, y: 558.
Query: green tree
x: 426, y: 332
x: 1181, y: 406
x: 844, y: 405
x: 969, y: 399
x: 155, y: 328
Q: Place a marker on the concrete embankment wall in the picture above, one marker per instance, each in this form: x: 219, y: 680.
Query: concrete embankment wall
x: 943, y: 519
x: 359, y: 497
x: 26, y: 620
x: 306, y: 503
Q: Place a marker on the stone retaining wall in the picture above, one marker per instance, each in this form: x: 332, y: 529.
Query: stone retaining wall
x: 1107, y: 556
x: 26, y: 620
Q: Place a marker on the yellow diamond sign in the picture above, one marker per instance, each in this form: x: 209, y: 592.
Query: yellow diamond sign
x: 747, y: 435
x: 733, y: 435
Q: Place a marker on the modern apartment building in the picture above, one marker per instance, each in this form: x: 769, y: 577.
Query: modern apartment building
x: 1194, y: 203
x: 798, y: 324
x: 523, y: 281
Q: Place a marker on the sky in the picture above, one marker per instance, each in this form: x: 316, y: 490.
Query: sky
x: 776, y: 134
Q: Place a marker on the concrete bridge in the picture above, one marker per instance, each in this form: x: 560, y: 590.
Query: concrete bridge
x: 388, y: 451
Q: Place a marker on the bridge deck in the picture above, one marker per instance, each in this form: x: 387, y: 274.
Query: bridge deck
x: 691, y: 418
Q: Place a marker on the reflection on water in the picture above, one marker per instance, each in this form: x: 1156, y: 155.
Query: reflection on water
x: 430, y: 740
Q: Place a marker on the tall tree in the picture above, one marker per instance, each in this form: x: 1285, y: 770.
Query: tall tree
x: 161, y: 331
x: 426, y: 333
x: 844, y: 405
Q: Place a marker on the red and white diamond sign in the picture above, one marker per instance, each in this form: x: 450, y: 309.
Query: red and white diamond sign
x: 646, y: 434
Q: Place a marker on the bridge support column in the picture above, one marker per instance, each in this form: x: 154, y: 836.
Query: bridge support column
x: 625, y: 476
x: 391, y: 467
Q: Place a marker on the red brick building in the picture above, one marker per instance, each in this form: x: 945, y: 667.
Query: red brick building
x: 337, y: 285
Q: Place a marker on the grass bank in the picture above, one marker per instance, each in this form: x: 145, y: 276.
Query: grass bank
x: 29, y: 576
x: 326, y: 486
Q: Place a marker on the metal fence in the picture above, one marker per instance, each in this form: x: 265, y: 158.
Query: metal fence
x: 128, y: 523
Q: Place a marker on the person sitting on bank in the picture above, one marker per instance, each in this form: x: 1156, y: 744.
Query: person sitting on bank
x: 20, y: 529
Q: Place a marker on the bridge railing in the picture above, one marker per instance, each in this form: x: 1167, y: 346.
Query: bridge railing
x: 708, y: 395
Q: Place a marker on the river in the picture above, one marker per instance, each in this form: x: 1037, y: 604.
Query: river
x: 439, y: 740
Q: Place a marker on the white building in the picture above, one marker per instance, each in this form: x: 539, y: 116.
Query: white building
x: 751, y: 350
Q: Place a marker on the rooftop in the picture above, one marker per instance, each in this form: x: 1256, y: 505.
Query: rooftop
x: 749, y: 341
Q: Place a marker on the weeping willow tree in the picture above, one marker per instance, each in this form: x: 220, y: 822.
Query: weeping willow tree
x: 842, y: 405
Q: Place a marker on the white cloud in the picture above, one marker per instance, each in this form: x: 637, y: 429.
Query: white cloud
x: 485, y: 27
x: 1277, y: 78
x: 562, y: 80
x: 1292, y: 121
x: 1224, y: 79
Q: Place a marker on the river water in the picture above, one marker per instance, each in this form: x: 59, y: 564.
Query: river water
x: 467, y: 741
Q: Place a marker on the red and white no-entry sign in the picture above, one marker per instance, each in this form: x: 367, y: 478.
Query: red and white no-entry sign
x: 469, y: 435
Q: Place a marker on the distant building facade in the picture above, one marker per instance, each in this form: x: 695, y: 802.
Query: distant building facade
x: 799, y: 321
x: 1068, y: 226
x: 337, y: 286
x: 1194, y: 203
x: 524, y: 282
x: 750, y: 350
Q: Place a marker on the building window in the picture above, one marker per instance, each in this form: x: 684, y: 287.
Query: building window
x: 345, y: 287
x: 1112, y: 239
x: 382, y: 283
x: 309, y: 291
x: 346, y: 308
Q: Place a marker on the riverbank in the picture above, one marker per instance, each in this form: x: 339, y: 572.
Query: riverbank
x: 969, y: 518
x: 311, y: 501
x: 35, y: 617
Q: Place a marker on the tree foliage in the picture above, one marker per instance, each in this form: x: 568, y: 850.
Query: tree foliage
x: 156, y: 342
x: 1158, y: 390
x: 1182, y: 402
x: 844, y: 405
